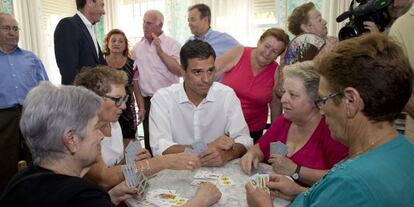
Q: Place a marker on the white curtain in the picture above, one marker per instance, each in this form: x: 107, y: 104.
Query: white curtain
x: 27, y: 15
x: 330, y: 10
x: 111, y: 17
x: 234, y: 17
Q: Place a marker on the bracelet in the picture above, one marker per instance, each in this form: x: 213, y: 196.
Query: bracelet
x: 141, y: 110
x: 148, y: 165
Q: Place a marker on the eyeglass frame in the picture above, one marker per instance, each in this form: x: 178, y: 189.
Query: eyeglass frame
x: 118, y: 101
x: 9, y: 28
x: 323, y: 99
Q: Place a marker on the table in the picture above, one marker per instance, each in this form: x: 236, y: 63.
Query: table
x: 233, y: 195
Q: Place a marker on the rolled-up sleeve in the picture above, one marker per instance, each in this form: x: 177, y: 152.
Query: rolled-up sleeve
x: 236, y: 126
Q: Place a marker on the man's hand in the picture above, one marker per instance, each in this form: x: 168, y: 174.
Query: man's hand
x: 157, y: 42
x: 214, y: 157
x: 249, y: 162
x: 223, y: 142
x: 371, y: 26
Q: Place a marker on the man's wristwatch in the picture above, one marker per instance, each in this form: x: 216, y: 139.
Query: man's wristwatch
x: 295, y: 175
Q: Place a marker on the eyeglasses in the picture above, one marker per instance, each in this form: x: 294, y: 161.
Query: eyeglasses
x: 322, y: 100
x: 9, y: 28
x: 118, y: 101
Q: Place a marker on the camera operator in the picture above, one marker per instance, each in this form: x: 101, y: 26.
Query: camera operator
x: 401, y: 31
x: 396, y: 9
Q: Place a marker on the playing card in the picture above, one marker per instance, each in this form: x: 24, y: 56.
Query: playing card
x: 259, y: 180
x: 161, y: 197
x: 206, y: 175
x: 179, y: 201
x: 131, y: 177
x: 199, y: 147
x: 199, y: 181
x: 278, y: 148
x: 131, y: 150
x: 225, y: 180
x: 189, y: 150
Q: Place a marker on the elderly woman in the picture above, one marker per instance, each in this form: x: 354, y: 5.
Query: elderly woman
x: 117, y: 56
x: 110, y: 85
x: 251, y: 74
x: 311, y: 151
x: 365, y: 83
x: 61, y: 128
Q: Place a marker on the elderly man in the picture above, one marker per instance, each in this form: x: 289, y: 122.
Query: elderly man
x: 199, y: 110
x: 75, y: 40
x: 157, y: 57
x: 20, y: 71
x: 199, y: 20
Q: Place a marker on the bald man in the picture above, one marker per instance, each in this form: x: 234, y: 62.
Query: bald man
x: 157, y: 59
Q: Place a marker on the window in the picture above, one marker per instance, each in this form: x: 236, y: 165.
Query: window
x: 52, y: 12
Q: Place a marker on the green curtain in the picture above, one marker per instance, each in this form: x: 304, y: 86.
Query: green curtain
x: 100, y: 32
x: 6, y: 6
x: 177, y: 11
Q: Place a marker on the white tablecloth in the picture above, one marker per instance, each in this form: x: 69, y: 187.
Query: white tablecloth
x: 232, y: 195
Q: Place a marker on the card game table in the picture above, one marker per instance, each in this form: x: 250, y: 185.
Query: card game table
x: 233, y: 194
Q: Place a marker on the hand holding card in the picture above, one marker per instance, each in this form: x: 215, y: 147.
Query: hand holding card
x: 278, y: 148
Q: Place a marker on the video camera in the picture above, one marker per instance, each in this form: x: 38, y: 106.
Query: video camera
x: 367, y: 10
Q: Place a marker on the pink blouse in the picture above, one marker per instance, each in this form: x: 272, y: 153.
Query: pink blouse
x: 320, y: 152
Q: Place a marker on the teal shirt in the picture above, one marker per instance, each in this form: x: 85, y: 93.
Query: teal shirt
x: 381, y: 177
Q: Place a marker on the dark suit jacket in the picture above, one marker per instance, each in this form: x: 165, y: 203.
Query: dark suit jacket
x: 74, y: 48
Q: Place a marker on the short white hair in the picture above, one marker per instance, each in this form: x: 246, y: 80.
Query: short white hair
x: 158, y: 14
x: 49, y: 112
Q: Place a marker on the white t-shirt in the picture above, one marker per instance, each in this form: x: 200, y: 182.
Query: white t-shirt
x: 112, y: 148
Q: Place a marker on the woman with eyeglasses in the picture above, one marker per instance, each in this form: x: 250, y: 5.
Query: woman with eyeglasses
x: 373, y: 81
x: 250, y: 72
x: 62, y: 129
x: 110, y: 85
x: 116, y: 53
x: 311, y: 151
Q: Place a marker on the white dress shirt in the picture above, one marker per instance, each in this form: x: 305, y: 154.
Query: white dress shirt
x: 89, y: 26
x: 112, y: 148
x: 174, y: 120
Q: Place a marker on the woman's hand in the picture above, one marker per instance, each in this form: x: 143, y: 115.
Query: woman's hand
x: 257, y: 197
x: 182, y: 161
x: 284, y: 187
x: 282, y: 165
x: 142, y: 154
x: 207, y: 195
x: 121, y: 192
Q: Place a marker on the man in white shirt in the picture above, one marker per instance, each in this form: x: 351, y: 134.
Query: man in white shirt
x: 198, y: 110
x: 157, y: 60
